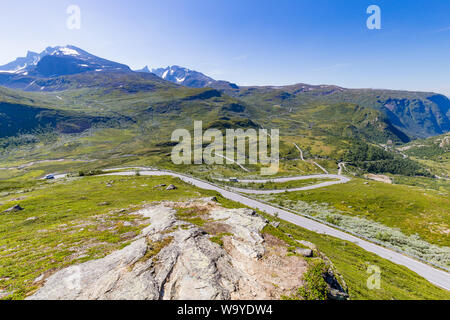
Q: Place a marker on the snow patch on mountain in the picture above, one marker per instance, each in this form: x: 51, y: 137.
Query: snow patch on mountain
x: 66, y: 51
x: 77, y: 61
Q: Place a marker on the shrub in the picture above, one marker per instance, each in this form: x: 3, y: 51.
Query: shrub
x: 315, y: 287
x: 390, y: 237
x: 83, y: 173
x: 376, y: 160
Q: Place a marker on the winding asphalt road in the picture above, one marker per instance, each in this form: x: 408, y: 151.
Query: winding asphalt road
x: 338, y: 179
x: 313, y: 162
x: 435, y: 276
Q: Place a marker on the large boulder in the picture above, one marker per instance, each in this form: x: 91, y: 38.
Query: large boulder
x: 308, y: 253
x: 173, y: 259
x: 14, y: 209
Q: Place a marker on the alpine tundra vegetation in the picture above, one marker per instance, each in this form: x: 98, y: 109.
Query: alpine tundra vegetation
x: 81, y: 138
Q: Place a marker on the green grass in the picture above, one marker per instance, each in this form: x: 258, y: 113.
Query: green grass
x: 413, y: 210
x: 440, y: 185
x: 352, y: 262
x: 6, y: 186
x: 82, y: 219
x: 278, y: 186
x: 72, y: 222
x: 315, y: 287
x: 191, y: 215
x: 219, y: 238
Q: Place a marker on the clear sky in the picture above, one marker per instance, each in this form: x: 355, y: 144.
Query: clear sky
x: 250, y: 42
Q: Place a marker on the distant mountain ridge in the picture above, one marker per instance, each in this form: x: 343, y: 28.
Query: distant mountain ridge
x: 184, y: 76
x: 23, y: 64
x: 59, y: 61
x: 189, y: 78
x: 418, y: 114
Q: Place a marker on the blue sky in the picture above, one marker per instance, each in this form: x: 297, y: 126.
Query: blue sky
x: 250, y: 42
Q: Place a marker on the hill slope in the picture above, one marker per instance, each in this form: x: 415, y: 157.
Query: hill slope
x: 417, y: 114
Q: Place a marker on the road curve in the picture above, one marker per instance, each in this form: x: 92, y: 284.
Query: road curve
x: 341, y: 168
x: 339, y: 179
x: 437, y: 277
x: 313, y: 162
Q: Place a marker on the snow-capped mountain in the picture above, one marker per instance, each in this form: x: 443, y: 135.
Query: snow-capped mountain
x: 189, y: 78
x: 184, y: 76
x: 70, y: 60
x: 57, y: 61
x: 23, y: 64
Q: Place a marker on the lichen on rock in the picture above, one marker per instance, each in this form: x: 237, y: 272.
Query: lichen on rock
x: 175, y: 259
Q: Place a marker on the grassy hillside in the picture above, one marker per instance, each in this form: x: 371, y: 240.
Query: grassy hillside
x: 404, y: 207
x: 418, y: 114
x: 80, y: 219
x: 134, y: 114
x: 103, y: 120
x: 433, y: 152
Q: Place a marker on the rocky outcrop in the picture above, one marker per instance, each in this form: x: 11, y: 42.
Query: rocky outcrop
x: 14, y: 209
x: 445, y: 142
x: 304, y: 252
x: 379, y: 178
x: 173, y: 258
x: 246, y: 227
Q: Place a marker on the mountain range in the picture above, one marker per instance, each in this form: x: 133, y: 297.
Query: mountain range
x: 189, y: 78
x: 410, y: 115
x: 59, y: 61
x: 68, y: 117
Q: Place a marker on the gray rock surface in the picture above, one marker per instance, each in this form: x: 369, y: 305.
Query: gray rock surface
x: 275, y: 224
x: 175, y: 260
x: 190, y: 266
x: 304, y: 252
x: 246, y: 227
x: 14, y: 209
